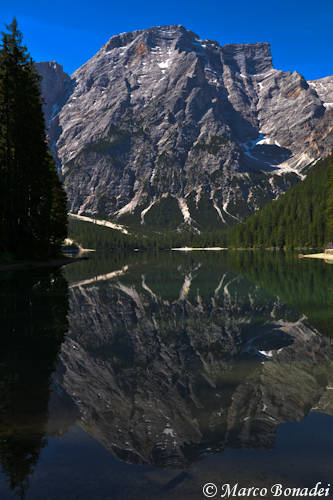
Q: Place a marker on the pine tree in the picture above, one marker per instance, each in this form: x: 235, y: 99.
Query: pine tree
x: 329, y: 207
x: 33, y: 217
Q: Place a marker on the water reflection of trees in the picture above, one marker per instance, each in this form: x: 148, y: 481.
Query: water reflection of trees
x: 305, y: 285
x: 34, y: 307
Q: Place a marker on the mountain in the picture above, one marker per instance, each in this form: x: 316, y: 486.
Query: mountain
x: 163, y: 128
x: 299, y: 218
x: 56, y: 87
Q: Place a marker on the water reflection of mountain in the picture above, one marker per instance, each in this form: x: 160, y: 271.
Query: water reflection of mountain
x: 34, y: 307
x: 167, y: 362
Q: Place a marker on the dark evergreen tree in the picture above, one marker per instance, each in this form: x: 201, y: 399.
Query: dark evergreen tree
x: 329, y: 205
x: 32, y: 201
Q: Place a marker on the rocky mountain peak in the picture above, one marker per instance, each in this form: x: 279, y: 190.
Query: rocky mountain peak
x: 154, y: 36
x: 250, y: 58
x: 161, y: 121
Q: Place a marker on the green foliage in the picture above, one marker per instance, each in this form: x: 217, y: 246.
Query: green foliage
x: 32, y: 200
x: 165, y: 214
x: 329, y: 204
x: 90, y: 235
x: 302, y: 217
x: 204, y: 212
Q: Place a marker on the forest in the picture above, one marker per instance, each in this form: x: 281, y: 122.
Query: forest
x: 92, y: 236
x: 300, y: 218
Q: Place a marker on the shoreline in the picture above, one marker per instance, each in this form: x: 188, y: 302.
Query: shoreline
x: 190, y: 249
x: 325, y: 256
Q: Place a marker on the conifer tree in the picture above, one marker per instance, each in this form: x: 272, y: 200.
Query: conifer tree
x: 32, y: 201
x: 329, y: 207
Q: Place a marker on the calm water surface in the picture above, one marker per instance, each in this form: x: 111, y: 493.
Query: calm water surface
x: 145, y: 377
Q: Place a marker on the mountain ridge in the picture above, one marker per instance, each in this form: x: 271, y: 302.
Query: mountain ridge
x: 162, y: 121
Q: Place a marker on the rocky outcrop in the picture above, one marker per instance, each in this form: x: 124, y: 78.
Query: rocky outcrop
x: 160, y: 119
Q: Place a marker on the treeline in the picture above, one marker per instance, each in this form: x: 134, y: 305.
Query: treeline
x: 90, y: 235
x: 302, y: 217
x: 33, y: 216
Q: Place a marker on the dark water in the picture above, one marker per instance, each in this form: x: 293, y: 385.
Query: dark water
x: 145, y: 377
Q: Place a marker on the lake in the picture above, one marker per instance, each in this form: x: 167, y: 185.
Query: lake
x: 147, y: 376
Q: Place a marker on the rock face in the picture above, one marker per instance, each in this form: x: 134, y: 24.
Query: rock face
x: 56, y: 88
x: 161, y: 120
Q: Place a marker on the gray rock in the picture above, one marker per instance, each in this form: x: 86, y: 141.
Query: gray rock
x: 56, y: 87
x: 212, y: 133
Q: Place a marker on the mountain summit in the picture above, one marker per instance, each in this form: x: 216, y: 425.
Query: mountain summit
x: 162, y: 127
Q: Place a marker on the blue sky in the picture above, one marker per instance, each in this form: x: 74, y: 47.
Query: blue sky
x: 71, y: 31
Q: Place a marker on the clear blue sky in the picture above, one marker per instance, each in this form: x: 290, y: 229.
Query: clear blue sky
x: 71, y: 31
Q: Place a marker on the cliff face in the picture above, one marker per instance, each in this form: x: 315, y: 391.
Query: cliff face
x: 160, y: 118
x: 56, y: 87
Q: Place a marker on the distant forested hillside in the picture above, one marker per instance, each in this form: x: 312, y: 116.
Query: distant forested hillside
x: 90, y: 235
x: 302, y: 217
